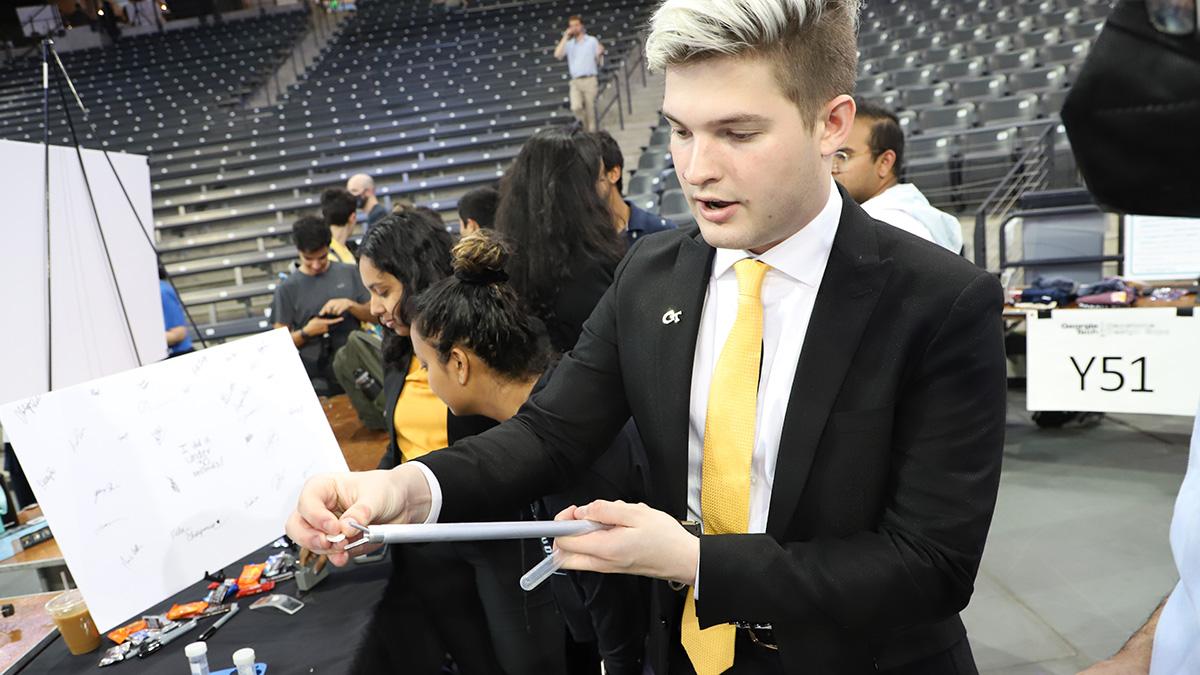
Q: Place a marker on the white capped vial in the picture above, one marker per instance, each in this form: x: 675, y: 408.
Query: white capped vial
x: 243, y: 659
x: 197, y: 655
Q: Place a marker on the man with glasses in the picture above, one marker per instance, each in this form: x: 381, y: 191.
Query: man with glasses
x: 869, y: 166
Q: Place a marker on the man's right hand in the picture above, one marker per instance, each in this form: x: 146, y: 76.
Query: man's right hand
x: 327, y: 502
x: 318, y: 326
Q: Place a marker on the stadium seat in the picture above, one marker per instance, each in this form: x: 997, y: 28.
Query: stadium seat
x: 646, y: 202
x: 1008, y: 110
x: 917, y: 98
x: 979, y: 88
x: 1066, y: 52
x: 674, y: 207
x: 959, y: 69
x: 899, y: 62
x: 644, y: 183
x: 654, y: 161
x: 1083, y: 31
x: 987, y: 157
x: 1023, y: 59
x: 1050, y: 103
x: 927, y: 165
x: 912, y: 77
x: 871, y: 85
x: 669, y: 180
x: 957, y: 116
x: 940, y: 55
x: 1038, y: 80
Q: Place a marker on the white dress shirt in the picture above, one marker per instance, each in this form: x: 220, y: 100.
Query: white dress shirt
x: 789, y: 292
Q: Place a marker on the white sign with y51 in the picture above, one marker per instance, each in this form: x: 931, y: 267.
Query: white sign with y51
x: 1115, y: 360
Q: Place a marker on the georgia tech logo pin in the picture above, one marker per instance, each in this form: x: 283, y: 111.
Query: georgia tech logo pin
x: 671, y: 316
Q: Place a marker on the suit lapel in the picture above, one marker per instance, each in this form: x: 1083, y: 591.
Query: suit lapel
x: 675, y: 350
x: 854, y: 278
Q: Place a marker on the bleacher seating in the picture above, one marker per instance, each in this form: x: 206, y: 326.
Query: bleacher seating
x: 433, y: 103
x: 972, y: 83
x: 429, y: 103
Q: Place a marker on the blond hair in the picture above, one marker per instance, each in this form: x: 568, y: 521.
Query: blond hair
x: 811, y: 44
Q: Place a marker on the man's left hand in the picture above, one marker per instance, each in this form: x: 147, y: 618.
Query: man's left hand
x: 337, y: 307
x: 640, y: 541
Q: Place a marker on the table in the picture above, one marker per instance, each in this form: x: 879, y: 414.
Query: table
x: 47, y: 560
x: 28, y: 629
x: 321, y: 638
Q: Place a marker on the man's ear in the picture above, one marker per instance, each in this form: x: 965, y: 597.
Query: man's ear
x: 469, y: 226
x: 614, y: 174
x: 460, y: 366
x: 884, y: 163
x: 836, y: 121
x: 353, y: 218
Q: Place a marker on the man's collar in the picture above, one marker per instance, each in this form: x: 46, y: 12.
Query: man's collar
x: 800, y: 256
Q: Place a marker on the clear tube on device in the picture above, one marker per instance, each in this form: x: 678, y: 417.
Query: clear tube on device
x: 542, y: 571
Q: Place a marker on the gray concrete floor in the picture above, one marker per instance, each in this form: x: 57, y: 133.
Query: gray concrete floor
x: 1078, y: 554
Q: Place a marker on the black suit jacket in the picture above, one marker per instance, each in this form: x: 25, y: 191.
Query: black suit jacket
x: 888, y: 464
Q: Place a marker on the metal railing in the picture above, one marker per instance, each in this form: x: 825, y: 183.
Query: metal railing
x: 1051, y: 212
x: 621, y: 70
x: 1032, y: 171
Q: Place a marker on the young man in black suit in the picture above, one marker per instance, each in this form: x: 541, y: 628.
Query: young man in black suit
x: 824, y: 393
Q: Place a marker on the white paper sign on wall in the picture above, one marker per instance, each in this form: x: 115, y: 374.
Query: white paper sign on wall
x: 150, y: 477
x: 1114, y: 360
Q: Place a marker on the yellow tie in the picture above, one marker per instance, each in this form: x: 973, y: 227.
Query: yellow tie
x: 728, y: 447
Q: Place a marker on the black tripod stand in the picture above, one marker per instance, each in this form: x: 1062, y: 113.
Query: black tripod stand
x: 60, y: 77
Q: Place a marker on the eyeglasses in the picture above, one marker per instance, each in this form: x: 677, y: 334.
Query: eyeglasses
x: 840, y: 157
x: 1173, y: 17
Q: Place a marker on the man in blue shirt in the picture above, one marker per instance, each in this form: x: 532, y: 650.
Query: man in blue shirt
x: 583, y: 53
x: 630, y: 221
x: 174, y: 322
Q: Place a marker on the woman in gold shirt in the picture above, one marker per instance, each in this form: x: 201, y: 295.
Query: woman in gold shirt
x: 484, y: 354
x: 469, y: 591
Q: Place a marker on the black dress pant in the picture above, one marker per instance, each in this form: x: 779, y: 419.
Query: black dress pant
x: 487, y: 623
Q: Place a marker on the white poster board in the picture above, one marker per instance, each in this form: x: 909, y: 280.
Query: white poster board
x: 90, y: 337
x: 150, y: 477
x: 1159, y: 248
x: 1114, y: 360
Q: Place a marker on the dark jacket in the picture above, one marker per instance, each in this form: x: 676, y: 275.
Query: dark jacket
x: 889, y: 459
x: 577, y: 297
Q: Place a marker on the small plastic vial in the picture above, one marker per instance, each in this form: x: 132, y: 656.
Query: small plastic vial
x: 243, y: 659
x: 197, y: 654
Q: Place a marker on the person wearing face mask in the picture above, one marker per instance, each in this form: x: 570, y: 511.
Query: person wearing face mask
x: 469, y: 591
x: 362, y: 187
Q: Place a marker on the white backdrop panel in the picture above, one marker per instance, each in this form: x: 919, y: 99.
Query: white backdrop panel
x: 90, y: 338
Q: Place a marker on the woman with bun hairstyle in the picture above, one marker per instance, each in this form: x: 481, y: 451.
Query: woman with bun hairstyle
x: 468, y: 591
x: 485, y: 354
